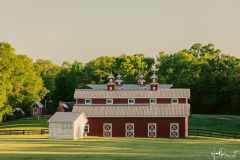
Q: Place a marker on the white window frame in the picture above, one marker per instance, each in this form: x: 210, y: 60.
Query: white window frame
x: 108, y: 100
x: 90, y: 101
x: 152, y: 131
x: 154, y: 102
x: 173, y: 99
x: 107, y: 132
x: 174, y: 130
x: 132, y: 100
x: 88, y: 128
x: 129, y: 132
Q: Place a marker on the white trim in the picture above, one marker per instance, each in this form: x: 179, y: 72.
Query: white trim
x: 174, y: 130
x: 131, y: 99
x: 87, y: 100
x: 153, y: 99
x: 129, y: 129
x: 108, y: 100
x: 173, y: 99
x: 107, y: 129
x: 152, y: 130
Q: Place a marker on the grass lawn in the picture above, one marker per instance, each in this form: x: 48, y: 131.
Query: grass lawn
x: 37, y: 147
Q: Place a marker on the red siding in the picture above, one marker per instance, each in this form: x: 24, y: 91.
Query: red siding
x: 80, y: 101
x: 98, y: 101
x: 140, y: 126
x: 120, y: 101
x: 182, y: 100
x: 143, y: 101
x: 163, y: 100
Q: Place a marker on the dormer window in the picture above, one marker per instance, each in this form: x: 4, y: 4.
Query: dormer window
x: 174, y: 101
x: 88, y: 101
x: 153, y: 101
x: 131, y: 101
x: 109, y: 101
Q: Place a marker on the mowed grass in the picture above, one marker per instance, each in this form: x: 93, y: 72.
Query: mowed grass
x: 37, y: 147
x: 40, y: 147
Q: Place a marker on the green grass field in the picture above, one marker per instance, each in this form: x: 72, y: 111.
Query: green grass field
x: 39, y: 147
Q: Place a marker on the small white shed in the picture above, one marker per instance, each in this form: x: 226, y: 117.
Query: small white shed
x: 67, y: 125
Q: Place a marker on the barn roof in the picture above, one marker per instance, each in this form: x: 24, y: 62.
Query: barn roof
x: 128, y: 87
x: 40, y: 105
x: 66, y: 116
x: 161, y: 93
x: 159, y: 110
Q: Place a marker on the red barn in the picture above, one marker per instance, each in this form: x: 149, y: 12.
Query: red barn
x: 134, y: 110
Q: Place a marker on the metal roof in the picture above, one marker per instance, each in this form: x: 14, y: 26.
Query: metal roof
x: 161, y: 93
x: 128, y: 87
x: 159, y: 110
x: 66, y: 116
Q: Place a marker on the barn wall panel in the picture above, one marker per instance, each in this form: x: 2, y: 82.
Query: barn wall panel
x: 163, y: 100
x: 140, y: 124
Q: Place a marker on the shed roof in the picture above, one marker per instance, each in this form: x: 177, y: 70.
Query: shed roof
x: 40, y: 105
x: 159, y: 110
x: 66, y: 116
x: 161, y: 93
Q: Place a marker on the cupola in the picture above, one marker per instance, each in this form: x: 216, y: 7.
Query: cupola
x: 111, y: 82
x: 141, y: 80
x: 119, y: 80
x: 154, y: 84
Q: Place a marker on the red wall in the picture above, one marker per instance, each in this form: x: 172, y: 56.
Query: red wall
x: 141, y: 101
x: 98, y: 101
x: 163, y: 100
x: 182, y: 100
x: 80, y: 101
x: 140, y: 126
x: 120, y: 101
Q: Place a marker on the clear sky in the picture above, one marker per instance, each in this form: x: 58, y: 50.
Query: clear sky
x: 85, y: 29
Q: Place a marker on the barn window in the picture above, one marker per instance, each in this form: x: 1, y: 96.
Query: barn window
x: 129, y: 129
x: 109, y: 101
x: 88, y: 101
x: 153, y: 101
x: 107, y: 129
x: 174, y: 130
x: 86, y: 129
x: 131, y: 101
x: 174, y: 101
x: 152, y: 130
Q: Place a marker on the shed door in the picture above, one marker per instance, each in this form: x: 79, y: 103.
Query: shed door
x: 152, y: 130
x: 174, y: 130
x: 107, y: 129
x: 129, y: 130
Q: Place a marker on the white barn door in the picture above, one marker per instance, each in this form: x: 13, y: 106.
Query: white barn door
x: 129, y: 129
x: 107, y: 129
x: 174, y: 130
x: 152, y: 130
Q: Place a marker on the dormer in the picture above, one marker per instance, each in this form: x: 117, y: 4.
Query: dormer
x: 154, y: 84
x: 111, y: 82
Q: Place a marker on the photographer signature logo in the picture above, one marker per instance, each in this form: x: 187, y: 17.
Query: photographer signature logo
x: 221, y: 154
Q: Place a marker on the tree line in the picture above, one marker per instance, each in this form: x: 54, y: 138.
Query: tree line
x: 212, y: 76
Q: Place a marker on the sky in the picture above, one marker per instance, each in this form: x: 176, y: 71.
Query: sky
x: 68, y: 30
